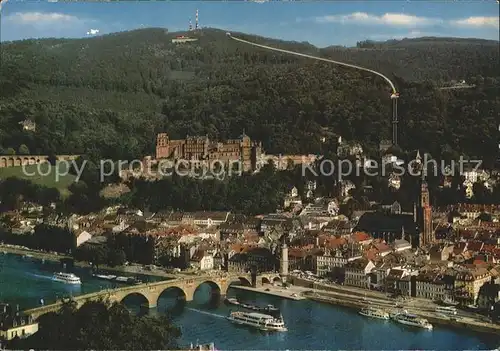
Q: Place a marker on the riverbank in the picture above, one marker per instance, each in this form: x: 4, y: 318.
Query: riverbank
x: 270, y: 291
x: 467, y: 323
x: 47, y: 256
x: 33, y: 253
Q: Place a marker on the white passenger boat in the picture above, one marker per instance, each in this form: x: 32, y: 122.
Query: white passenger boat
x: 258, y: 320
x: 413, y: 320
x: 374, y: 313
x: 68, y: 278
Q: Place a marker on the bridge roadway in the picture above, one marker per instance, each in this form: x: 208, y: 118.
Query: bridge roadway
x: 152, y: 291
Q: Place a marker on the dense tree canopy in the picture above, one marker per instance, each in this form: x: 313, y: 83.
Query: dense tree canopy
x: 98, y: 326
x: 249, y: 194
x: 108, y: 96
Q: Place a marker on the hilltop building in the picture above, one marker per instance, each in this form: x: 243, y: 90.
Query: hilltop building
x: 201, y: 148
x: 28, y: 125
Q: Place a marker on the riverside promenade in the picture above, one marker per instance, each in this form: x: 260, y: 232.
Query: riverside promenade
x: 461, y: 322
x: 357, y: 298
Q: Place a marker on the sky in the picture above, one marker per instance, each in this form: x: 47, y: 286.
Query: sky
x: 321, y: 23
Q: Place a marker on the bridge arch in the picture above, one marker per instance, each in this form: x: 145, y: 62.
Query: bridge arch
x: 148, y: 301
x: 245, y: 281
x: 171, y: 300
x: 213, y: 285
x: 173, y: 289
x: 216, y: 290
x: 265, y: 280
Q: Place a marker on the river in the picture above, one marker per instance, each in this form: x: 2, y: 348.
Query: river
x: 311, y: 325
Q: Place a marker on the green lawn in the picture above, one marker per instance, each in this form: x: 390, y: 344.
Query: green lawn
x: 40, y: 174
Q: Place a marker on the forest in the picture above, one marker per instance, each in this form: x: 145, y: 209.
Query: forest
x: 108, y: 96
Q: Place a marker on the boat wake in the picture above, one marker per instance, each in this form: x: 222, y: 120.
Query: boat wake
x: 40, y: 276
x: 205, y: 312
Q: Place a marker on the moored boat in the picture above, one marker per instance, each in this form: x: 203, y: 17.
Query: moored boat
x: 203, y: 347
x: 68, y: 278
x: 122, y: 279
x: 258, y: 320
x: 232, y: 301
x: 374, y: 313
x: 105, y: 277
x: 449, y: 302
x: 413, y: 320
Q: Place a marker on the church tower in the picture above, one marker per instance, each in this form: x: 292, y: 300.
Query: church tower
x: 425, y: 216
x: 422, y: 207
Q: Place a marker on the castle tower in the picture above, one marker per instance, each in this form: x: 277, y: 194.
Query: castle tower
x: 284, y: 262
x: 162, y: 146
x: 246, y: 151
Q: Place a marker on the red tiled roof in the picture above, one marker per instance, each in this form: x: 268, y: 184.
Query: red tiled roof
x: 371, y: 254
x: 475, y: 246
x: 360, y: 236
x: 297, y: 253
x: 334, y: 242
x: 459, y: 248
x: 381, y: 246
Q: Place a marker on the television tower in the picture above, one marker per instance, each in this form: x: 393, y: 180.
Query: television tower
x: 196, y: 23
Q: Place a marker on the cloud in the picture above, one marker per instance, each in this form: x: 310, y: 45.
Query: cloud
x: 93, y: 32
x: 408, y: 21
x: 477, y: 22
x: 23, y: 25
x: 41, y: 18
x: 389, y: 19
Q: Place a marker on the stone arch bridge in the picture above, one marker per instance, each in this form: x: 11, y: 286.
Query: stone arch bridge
x: 152, y: 291
x: 20, y: 160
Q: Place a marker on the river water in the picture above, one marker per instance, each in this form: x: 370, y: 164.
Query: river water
x: 311, y: 325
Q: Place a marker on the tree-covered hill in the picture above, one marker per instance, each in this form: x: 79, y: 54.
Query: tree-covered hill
x: 108, y: 96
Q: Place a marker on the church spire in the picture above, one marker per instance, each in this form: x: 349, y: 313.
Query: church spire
x: 418, y: 157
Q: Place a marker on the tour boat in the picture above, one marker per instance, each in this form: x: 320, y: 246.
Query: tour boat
x: 413, y: 320
x: 68, y: 278
x: 267, y: 309
x: 258, y: 320
x: 374, y: 313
